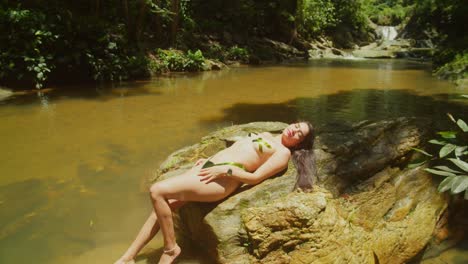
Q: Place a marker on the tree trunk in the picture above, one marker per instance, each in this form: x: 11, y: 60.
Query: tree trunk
x: 157, y: 22
x: 175, y: 8
x: 127, y: 19
x: 297, y: 20
x: 141, y: 18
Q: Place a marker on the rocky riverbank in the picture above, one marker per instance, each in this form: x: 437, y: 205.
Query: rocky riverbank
x: 367, y: 207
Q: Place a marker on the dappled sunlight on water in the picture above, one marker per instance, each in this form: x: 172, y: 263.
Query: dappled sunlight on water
x: 76, y: 160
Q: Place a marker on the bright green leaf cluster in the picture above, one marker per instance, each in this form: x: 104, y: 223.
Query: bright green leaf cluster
x: 176, y: 60
x: 453, y: 155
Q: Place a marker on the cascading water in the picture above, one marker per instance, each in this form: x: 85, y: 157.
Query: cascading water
x: 386, y: 32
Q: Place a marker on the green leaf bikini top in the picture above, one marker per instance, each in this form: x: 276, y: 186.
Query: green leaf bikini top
x: 261, y: 143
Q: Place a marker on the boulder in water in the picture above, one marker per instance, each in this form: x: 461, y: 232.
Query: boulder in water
x: 367, y: 207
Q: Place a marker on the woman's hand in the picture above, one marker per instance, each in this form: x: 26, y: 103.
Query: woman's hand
x: 210, y: 174
x: 200, y: 162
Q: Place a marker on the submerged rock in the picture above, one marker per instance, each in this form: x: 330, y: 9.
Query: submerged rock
x: 367, y: 206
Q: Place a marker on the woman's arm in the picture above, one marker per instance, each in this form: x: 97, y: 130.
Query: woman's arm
x: 276, y: 163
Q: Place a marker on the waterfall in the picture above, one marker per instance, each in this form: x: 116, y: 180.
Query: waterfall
x: 386, y: 32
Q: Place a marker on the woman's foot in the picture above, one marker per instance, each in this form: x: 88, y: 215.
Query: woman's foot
x: 169, y: 255
x: 123, y: 261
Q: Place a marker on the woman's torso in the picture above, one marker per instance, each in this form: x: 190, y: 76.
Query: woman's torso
x: 251, y: 151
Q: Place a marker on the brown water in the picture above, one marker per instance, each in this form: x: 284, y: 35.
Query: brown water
x: 75, y: 161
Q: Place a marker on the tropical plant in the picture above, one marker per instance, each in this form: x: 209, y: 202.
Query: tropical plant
x: 238, y: 53
x: 176, y: 60
x: 194, y: 61
x: 25, y: 45
x: 451, y: 158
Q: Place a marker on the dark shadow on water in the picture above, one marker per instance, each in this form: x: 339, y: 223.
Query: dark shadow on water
x: 107, y: 91
x: 329, y: 112
x: 95, y: 92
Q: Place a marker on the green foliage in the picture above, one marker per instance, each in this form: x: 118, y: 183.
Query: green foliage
x: 105, y: 62
x: 272, y: 18
x: 216, y: 51
x: 176, y: 60
x: 25, y: 45
x: 387, y: 12
x: 448, y: 19
x: 450, y: 161
x: 238, y: 54
x: 350, y: 13
x: 89, y: 40
x: 455, y: 68
x: 317, y: 16
x: 224, y: 54
x: 108, y: 39
x: 194, y: 61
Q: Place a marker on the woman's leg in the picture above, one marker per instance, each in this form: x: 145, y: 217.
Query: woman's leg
x: 186, y: 187
x: 148, y: 231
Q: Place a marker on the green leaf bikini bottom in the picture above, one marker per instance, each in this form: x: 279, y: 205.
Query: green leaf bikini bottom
x: 261, y: 143
x: 212, y: 164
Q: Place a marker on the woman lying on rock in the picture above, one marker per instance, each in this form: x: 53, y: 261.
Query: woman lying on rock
x: 249, y: 160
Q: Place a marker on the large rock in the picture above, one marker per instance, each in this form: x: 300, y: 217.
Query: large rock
x: 401, y: 48
x: 265, y: 49
x: 323, y: 48
x: 366, y: 208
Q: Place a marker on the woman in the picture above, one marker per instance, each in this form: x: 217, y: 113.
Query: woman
x: 249, y: 160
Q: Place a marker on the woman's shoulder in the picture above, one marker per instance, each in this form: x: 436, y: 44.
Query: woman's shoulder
x: 282, y: 150
x: 255, y: 135
x: 266, y: 135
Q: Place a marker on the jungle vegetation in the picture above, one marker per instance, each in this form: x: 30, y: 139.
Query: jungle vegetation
x: 53, y: 41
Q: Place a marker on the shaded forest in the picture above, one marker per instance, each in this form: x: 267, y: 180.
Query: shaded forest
x: 58, y: 41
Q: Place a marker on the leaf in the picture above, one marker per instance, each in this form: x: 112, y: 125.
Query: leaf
x: 464, y: 95
x: 414, y: 165
x: 441, y: 173
x: 459, y: 184
x: 451, y: 117
x: 422, y: 151
x: 462, y: 125
x: 448, y: 134
x: 460, y: 163
x: 447, y: 149
x: 459, y: 151
x: 445, y: 168
x: 445, y: 184
x: 437, y: 142
x: 112, y: 45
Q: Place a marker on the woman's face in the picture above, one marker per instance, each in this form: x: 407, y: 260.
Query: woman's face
x: 294, y: 134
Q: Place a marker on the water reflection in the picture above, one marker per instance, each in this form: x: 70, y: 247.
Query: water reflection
x: 347, y: 107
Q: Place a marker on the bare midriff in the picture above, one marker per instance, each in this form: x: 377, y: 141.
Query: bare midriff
x: 247, y: 152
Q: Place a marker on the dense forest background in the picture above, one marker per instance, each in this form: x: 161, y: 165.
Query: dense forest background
x: 53, y: 41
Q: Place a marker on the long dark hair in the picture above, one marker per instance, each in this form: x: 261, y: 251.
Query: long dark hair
x: 304, y: 159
